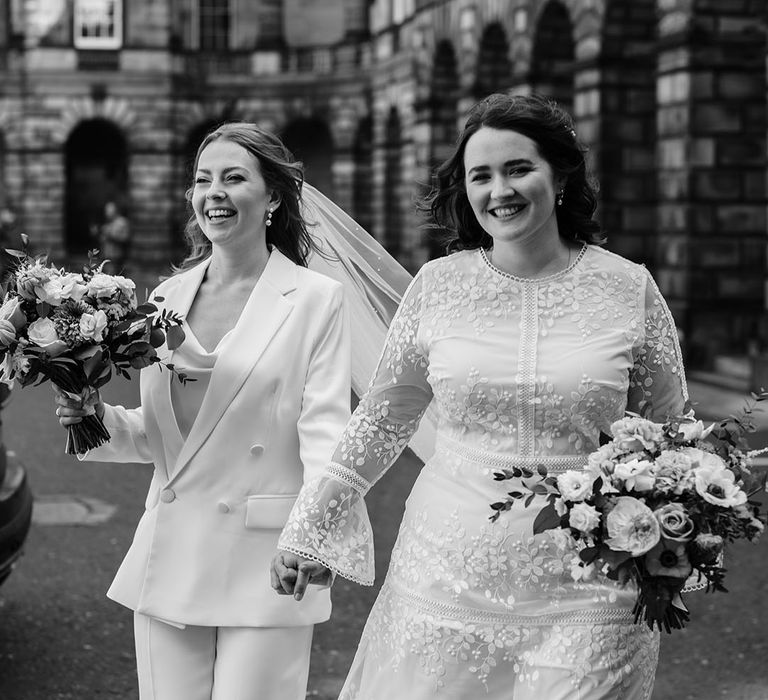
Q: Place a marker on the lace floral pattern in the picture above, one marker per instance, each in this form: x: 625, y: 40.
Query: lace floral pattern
x: 564, y: 659
x: 519, y: 373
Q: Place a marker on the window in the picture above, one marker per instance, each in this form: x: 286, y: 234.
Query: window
x: 98, y: 24
x: 213, y: 25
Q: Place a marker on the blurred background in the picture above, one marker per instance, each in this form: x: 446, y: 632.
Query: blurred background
x: 105, y: 102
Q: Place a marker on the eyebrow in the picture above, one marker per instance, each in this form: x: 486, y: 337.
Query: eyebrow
x: 225, y: 171
x: 516, y: 161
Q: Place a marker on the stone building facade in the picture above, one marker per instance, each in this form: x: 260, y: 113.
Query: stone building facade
x: 108, y: 99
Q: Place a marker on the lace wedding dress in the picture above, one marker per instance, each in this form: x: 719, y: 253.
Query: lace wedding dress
x: 518, y: 372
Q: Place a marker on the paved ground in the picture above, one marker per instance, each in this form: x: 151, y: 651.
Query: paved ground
x: 61, y: 639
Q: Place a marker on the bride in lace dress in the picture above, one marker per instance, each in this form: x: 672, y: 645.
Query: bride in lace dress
x: 526, y: 342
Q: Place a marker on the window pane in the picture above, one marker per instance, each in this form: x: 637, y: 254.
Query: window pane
x: 98, y: 24
x: 214, y: 25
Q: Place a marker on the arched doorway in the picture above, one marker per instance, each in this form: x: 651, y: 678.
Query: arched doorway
x: 494, y: 69
x: 553, y: 55
x: 96, y: 156
x: 310, y: 141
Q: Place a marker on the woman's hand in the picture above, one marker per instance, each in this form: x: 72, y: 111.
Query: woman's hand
x: 72, y: 410
x: 291, y: 574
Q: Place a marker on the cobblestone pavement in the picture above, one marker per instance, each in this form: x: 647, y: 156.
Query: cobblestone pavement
x: 61, y: 639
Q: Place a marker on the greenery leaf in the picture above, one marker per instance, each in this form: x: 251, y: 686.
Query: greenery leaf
x: 547, y: 519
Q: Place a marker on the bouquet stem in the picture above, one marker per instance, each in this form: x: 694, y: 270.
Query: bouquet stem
x: 90, y: 432
x: 86, y: 435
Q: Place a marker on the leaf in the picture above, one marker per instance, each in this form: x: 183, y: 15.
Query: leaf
x: 542, y: 470
x: 16, y: 253
x: 140, y: 347
x: 156, y: 337
x: 613, y: 558
x: 589, y: 554
x: 146, y: 308
x: 174, y: 337
x: 547, y: 519
x: 43, y: 309
x: 140, y: 361
x: 93, y: 366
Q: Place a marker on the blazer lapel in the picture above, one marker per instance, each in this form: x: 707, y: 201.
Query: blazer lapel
x: 265, y: 312
x: 177, y: 297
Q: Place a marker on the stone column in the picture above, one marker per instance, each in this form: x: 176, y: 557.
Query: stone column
x: 711, y: 179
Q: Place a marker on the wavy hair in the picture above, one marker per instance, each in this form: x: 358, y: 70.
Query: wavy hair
x: 551, y: 128
x: 281, y: 173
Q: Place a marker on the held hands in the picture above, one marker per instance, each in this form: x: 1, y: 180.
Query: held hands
x: 72, y: 410
x: 291, y: 574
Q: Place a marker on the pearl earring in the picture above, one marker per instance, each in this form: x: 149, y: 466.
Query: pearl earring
x: 560, y: 195
x: 269, y: 217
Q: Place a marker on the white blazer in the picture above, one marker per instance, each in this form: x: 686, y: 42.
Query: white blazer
x: 277, y: 402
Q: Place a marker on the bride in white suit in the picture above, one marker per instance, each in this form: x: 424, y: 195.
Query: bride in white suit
x: 266, y: 341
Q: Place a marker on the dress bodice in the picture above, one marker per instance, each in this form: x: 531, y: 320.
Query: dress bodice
x: 527, y: 370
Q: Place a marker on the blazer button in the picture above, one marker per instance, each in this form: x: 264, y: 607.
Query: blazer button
x: 224, y: 507
x: 257, y: 450
x: 167, y: 496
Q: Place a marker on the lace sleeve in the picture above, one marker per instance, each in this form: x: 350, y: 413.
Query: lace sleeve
x: 657, y: 379
x: 329, y: 522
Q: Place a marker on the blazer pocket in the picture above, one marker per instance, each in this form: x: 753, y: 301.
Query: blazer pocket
x: 268, y: 512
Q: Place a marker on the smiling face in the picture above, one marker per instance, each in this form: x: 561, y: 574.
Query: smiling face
x: 510, y: 187
x: 230, y: 197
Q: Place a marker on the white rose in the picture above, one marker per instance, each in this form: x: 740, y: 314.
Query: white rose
x: 584, y: 517
x: 635, y: 434
x: 102, y: 285
x: 125, y: 285
x: 43, y: 334
x: 637, y: 474
x: 92, y: 326
x: 11, y: 311
x: 575, y: 485
x: 632, y: 527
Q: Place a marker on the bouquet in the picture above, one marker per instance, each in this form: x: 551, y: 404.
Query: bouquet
x: 76, y: 329
x: 655, y: 505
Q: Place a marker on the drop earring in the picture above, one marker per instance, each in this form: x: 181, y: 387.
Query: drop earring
x: 560, y: 195
x: 269, y: 217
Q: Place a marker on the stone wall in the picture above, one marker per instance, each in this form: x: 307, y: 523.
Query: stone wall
x: 668, y: 95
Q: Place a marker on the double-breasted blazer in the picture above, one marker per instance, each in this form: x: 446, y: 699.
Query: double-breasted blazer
x: 277, y: 401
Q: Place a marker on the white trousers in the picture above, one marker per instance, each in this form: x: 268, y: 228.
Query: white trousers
x: 221, y: 663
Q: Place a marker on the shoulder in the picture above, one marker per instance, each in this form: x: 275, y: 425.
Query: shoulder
x: 316, y: 281
x: 460, y: 261
x: 602, y: 260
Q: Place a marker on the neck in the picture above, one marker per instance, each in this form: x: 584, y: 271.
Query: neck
x: 532, y: 258
x: 231, y: 267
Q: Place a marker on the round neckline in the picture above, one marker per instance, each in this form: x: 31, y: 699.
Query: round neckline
x: 535, y: 280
